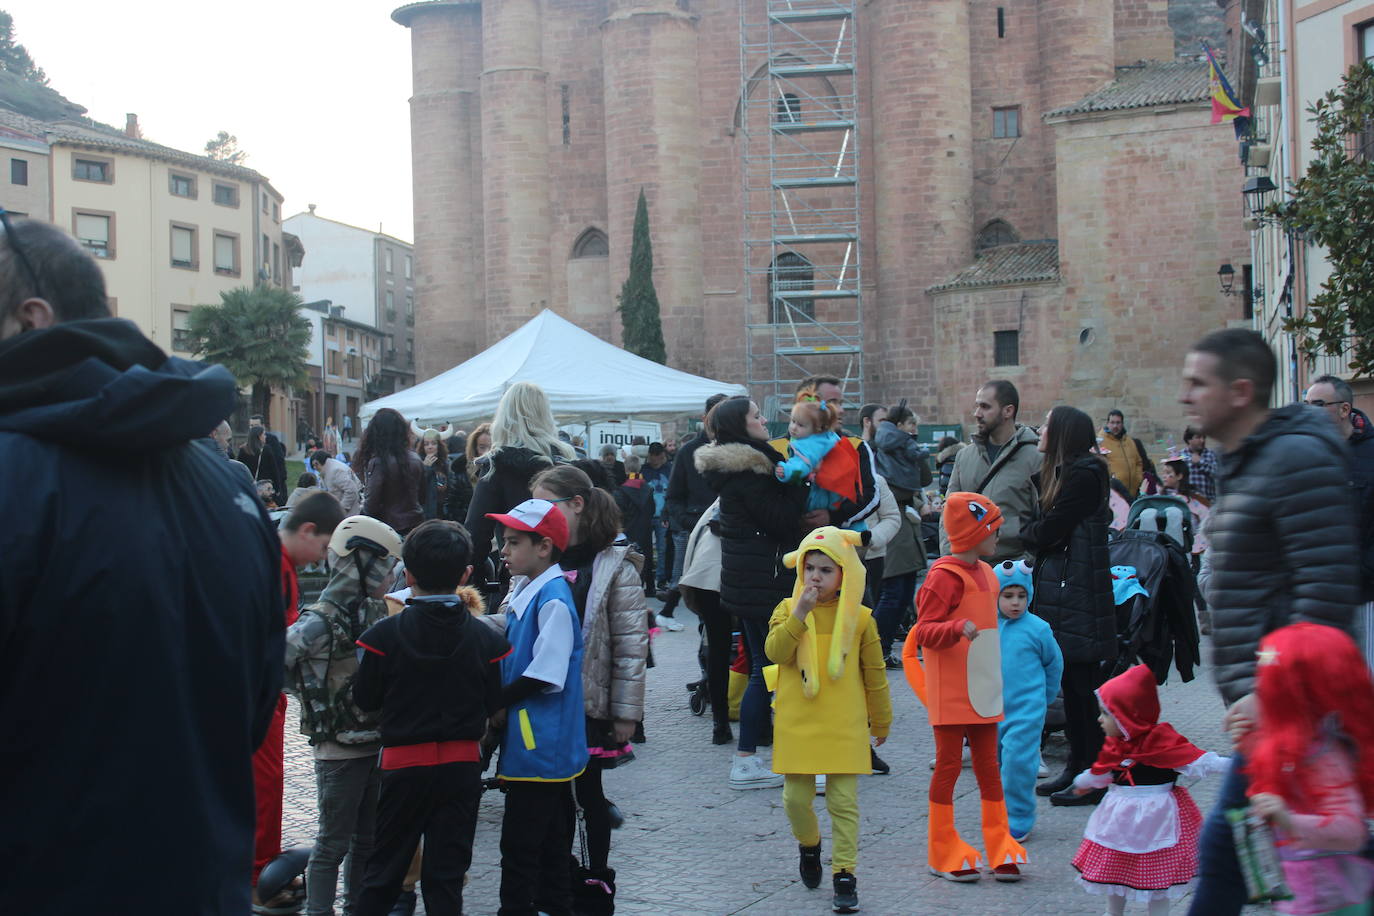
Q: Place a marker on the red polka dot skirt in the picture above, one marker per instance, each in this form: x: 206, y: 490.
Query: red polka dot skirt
x: 1151, y: 871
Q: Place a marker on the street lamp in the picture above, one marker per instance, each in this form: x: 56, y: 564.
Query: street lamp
x: 1256, y: 191
x: 1227, y: 276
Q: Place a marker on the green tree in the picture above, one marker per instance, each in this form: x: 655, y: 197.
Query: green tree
x: 1333, y: 205
x: 638, y: 298
x: 225, y: 147
x: 14, y: 57
x: 256, y: 333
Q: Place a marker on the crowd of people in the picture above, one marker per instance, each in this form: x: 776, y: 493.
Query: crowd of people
x: 487, y: 610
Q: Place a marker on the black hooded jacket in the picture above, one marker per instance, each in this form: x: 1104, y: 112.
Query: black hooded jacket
x: 433, y: 671
x: 501, y: 490
x: 141, y: 624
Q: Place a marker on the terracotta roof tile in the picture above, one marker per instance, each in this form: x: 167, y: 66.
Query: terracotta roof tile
x: 1008, y: 265
x: 1146, y: 85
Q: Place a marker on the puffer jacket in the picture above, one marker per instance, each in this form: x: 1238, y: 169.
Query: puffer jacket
x: 1010, y: 488
x: 503, y: 482
x: 1073, y: 580
x: 760, y: 520
x: 615, y: 637
x: 899, y: 458
x: 1361, y: 444
x: 1283, y: 540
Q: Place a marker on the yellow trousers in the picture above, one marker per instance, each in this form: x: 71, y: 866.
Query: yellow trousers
x: 841, y: 800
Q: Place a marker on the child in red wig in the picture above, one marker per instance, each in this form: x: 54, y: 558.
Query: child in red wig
x: 1311, y: 765
x: 1141, y: 842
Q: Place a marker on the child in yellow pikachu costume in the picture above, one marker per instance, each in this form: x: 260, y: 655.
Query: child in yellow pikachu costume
x: 831, y: 694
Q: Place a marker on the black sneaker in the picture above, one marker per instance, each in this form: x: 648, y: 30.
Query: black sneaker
x: 810, y: 865
x: 880, y: 766
x: 846, y: 898
x: 892, y: 662
x: 721, y: 733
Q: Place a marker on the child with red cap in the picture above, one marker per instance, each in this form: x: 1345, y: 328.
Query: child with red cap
x: 959, y: 678
x: 544, y: 741
x: 1141, y: 842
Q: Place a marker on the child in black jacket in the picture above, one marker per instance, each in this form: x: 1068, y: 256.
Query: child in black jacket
x: 434, y: 673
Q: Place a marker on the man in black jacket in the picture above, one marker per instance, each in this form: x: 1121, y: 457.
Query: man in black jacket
x: 1336, y: 399
x: 1283, y: 549
x: 274, y: 457
x: 140, y: 608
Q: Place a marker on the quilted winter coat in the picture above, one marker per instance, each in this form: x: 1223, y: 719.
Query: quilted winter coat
x: 615, y: 637
x: 1284, y: 540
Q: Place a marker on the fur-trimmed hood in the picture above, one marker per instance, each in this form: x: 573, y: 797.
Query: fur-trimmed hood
x: 725, y: 458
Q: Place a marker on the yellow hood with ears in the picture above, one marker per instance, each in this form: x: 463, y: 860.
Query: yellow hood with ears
x: 838, y: 544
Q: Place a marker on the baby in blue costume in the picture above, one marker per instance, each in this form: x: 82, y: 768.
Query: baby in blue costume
x: 1031, y: 668
x: 812, y: 442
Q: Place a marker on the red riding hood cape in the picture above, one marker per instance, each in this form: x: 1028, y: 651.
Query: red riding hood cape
x: 1133, y: 702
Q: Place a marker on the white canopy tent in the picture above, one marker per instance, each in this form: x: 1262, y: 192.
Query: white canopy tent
x: 585, y: 377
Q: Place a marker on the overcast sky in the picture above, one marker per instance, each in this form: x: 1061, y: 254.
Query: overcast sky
x: 315, y: 90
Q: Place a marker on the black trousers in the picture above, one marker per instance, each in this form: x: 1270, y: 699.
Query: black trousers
x: 719, y: 643
x: 1080, y: 712
x: 596, y: 815
x: 438, y: 803
x: 536, y: 842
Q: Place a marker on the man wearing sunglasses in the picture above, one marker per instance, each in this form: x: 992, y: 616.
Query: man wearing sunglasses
x: 140, y: 607
x: 1335, y: 398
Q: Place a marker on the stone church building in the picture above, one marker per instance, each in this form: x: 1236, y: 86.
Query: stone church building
x: 916, y: 196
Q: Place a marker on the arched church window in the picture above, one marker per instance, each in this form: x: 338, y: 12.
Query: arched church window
x: 788, y: 109
x: 995, y: 233
x: 790, y: 271
x: 592, y: 244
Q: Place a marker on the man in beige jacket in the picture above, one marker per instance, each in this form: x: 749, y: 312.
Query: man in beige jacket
x: 999, y: 463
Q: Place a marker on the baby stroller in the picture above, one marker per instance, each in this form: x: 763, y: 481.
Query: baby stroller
x: 1156, y: 627
x: 699, y: 690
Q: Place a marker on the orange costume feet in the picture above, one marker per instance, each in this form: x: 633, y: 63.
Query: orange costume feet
x: 1002, y: 849
x: 947, y: 853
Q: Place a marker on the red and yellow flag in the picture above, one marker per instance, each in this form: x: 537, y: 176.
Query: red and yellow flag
x: 1225, y: 105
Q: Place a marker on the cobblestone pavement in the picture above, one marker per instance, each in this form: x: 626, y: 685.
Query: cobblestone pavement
x: 693, y: 847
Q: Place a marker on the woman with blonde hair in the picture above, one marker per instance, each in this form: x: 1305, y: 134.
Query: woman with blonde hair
x: 524, y: 441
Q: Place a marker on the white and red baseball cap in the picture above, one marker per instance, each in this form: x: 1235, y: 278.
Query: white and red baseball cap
x: 538, y: 516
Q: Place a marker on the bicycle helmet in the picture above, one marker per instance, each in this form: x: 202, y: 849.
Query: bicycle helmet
x: 365, y: 531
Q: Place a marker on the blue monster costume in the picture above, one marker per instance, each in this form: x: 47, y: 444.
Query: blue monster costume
x: 1031, y: 669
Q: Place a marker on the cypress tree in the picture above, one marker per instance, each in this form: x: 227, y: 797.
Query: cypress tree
x: 638, y: 299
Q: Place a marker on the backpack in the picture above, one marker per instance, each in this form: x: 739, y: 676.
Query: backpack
x: 1163, y: 515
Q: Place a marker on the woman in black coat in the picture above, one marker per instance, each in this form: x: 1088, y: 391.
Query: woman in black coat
x: 760, y: 520
x: 1073, y: 581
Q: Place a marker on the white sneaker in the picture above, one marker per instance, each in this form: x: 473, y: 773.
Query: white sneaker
x: 1044, y: 771
x: 753, y: 773
x: 967, y: 760
x: 820, y: 784
x: 667, y: 623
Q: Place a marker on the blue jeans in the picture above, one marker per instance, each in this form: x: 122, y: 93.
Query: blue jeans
x: 665, y: 577
x: 1221, y: 886
x: 679, y: 552
x: 753, y: 707
x: 346, y: 791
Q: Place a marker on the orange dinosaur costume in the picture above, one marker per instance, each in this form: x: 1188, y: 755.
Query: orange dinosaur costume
x: 960, y: 682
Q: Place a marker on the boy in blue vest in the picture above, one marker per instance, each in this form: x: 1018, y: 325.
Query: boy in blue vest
x: 544, y: 740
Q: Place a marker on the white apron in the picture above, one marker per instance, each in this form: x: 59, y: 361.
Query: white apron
x: 1135, y: 819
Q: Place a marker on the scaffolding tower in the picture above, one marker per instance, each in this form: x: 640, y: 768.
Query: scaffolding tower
x: 802, y: 265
